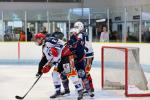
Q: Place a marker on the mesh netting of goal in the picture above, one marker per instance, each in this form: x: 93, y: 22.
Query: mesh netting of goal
x: 121, y: 70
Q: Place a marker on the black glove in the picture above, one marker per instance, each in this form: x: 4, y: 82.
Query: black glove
x: 38, y: 74
x: 86, y: 49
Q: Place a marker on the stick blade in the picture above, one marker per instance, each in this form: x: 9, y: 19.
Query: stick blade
x: 18, y: 97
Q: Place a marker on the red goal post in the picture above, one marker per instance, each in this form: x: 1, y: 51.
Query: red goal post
x: 122, y: 57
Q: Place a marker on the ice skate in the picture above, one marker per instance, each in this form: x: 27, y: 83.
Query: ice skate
x: 67, y: 91
x: 57, y: 94
x: 80, y: 95
x: 91, y: 94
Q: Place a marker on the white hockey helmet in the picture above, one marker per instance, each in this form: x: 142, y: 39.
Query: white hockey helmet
x: 79, y: 25
x: 74, y: 31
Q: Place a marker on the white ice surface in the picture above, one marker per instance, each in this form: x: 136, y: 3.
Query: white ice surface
x: 17, y: 79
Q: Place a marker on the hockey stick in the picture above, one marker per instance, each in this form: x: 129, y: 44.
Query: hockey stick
x: 19, y: 97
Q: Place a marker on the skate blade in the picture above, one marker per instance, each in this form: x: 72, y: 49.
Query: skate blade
x: 87, y: 95
x: 57, y: 98
x: 66, y: 95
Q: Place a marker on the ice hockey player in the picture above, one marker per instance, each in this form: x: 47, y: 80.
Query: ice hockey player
x: 64, y: 79
x: 55, y: 74
x: 52, y: 49
x: 66, y: 70
x: 67, y: 67
x: 77, y: 47
x: 83, y: 36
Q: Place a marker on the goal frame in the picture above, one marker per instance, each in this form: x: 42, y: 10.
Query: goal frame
x: 126, y: 71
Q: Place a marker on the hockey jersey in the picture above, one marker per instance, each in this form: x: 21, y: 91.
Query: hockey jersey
x: 88, y: 45
x: 52, y: 42
x: 77, y: 47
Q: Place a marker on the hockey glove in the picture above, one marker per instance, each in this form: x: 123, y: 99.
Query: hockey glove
x: 46, y: 69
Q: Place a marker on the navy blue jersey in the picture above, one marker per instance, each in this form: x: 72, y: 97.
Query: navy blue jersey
x: 77, y: 47
x: 51, y: 39
x: 54, y: 41
x: 84, y: 36
x: 87, y: 44
x: 79, y: 51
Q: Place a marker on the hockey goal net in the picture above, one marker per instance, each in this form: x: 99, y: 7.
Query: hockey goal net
x: 121, y: 70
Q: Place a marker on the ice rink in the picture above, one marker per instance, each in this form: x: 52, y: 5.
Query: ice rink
x: 17, y: 79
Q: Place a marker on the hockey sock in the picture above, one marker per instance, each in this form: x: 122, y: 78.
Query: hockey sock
x: 90, y: 82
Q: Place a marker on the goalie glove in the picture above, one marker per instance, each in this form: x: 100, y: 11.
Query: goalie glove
x: 46, y: 69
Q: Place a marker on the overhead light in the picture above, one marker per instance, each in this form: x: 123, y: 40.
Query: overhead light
x: 100, y: 20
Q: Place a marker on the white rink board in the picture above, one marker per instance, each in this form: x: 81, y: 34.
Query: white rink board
x: 30, y: 51
x: 8, y: 50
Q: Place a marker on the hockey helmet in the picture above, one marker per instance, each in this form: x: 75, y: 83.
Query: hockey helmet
x: 39, y: 35
x: 74, y: 31
x: 39, y: 38
x: 79, y: 25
